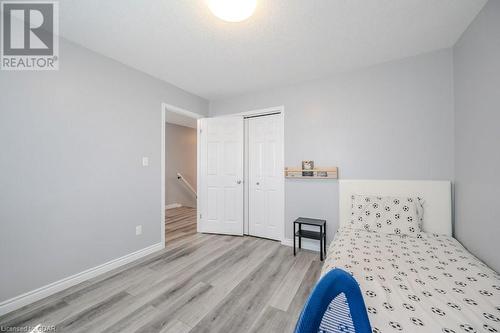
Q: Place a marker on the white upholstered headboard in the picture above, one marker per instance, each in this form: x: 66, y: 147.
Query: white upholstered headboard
x: 436, y: 195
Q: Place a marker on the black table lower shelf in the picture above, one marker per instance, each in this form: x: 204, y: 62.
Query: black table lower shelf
x: 309, y: 234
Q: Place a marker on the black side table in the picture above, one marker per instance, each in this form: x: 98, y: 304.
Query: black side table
x: 320, y: 235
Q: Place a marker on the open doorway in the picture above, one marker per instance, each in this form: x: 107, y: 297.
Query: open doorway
x: 179, y: 174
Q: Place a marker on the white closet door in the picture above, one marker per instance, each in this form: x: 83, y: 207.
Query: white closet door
x: 265, y: 174
x: 220, y: 188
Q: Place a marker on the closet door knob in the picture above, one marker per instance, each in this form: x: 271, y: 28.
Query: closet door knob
x: 257, y: 183
x: 238, y: 182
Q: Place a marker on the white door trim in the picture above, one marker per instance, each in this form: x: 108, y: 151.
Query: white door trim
x: 181, y: 111
x: 163, y: 161
x: 280, y: 109
x: 198, y: 172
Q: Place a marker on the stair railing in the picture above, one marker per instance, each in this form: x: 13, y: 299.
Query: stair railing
x: 182, y: 179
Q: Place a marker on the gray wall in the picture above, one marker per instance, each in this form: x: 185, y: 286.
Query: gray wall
x: 392, y: 121
x: 180, y: 151
x: 72, y: 186
x: 477, y: 135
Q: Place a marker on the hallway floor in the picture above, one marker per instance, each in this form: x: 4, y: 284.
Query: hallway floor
x: 180, y: 223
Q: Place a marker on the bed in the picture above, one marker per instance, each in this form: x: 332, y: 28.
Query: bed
x: 427, y: 282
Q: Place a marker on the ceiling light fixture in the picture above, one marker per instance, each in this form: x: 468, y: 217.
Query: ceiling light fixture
x: 232, y: 10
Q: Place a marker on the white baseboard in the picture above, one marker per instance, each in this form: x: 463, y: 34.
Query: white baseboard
x: 174, y: 205
x: 307, y: 244
x: 52, y: 288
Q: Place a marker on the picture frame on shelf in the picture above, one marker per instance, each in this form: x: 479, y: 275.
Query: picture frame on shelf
x: 307, y: 165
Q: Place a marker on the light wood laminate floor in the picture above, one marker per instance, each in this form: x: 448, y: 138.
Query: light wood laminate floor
x: 180, y: 223
x: 200, y: 283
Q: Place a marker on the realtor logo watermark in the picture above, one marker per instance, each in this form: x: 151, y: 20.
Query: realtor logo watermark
x: 29, y: 35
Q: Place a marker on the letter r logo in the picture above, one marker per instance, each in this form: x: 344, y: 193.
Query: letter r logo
x: 27, y: 28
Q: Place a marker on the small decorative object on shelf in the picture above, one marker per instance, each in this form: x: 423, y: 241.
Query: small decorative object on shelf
x: 319, y: 173
x: 307, y: 165
x: 322, y: 173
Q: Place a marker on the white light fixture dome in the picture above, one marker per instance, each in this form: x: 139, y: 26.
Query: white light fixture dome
x: 232, y: 10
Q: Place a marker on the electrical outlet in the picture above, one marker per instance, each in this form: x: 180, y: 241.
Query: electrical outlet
x: 145, y: 161
x: 138, y: 230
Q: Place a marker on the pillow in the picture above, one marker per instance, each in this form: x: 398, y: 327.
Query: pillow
x: 389, y: 215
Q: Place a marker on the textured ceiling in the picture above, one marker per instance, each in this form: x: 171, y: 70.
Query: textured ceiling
x: 286, y: 41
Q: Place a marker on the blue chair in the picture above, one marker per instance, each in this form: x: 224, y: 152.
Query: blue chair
x: 327, y: 289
